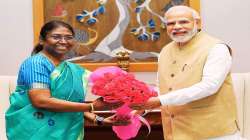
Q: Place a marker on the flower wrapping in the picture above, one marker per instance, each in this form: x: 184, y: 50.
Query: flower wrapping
x: 114, y: 84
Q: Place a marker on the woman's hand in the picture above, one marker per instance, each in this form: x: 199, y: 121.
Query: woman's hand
x: 117, y: 121
x: 99, y: 104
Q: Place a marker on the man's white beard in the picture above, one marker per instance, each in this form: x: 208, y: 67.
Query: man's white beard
x: 186, y: 37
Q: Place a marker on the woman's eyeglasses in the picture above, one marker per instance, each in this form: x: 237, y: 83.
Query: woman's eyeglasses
x: 61, y: 37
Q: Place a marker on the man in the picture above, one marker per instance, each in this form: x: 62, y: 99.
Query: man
x: 196, y: 93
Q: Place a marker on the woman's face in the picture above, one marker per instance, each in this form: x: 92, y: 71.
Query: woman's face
x: 59, y: 41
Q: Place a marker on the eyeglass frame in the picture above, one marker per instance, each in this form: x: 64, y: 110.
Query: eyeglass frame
x: 59, y: 37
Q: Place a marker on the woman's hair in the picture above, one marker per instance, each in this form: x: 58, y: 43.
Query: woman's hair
x: 47, y: 28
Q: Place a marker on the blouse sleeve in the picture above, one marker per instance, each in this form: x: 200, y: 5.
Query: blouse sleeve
x: 36, y: 73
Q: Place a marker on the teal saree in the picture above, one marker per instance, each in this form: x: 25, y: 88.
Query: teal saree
x: 25, y: 122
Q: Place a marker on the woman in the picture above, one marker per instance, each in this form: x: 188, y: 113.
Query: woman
x: 48, y: 102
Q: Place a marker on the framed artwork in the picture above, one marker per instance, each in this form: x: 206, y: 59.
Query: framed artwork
x: 112, y: 32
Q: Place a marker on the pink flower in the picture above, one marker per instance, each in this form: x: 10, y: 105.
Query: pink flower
x: 117, y: 85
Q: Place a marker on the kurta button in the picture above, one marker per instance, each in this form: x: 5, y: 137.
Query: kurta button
x: 172, y: 75
x: 170, y: 89
x: 174, y: 62
x: 172, y: 116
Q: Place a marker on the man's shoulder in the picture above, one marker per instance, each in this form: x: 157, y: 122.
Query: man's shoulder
x: 212, y: 37
x: 167, y: 46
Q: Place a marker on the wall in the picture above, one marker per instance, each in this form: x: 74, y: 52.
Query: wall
x: 226, y: 19
x: 16, y: 35
x: 230, y: 21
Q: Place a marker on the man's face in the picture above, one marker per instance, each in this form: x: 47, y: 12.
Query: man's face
x: 59, y: 41
x: 181, y: 26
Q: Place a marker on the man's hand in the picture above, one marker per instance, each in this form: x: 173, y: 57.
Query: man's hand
x: 152, y: 103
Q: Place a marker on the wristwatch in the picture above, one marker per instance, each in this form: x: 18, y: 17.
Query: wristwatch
x: 99, y: 120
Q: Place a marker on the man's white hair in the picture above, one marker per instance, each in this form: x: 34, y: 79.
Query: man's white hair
x: 195, y: 14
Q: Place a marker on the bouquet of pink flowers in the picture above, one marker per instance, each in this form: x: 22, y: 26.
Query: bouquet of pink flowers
x: 114, y: 84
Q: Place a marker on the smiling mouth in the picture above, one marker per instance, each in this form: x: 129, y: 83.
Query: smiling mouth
x: 62, y: 48
x: 179, y: 33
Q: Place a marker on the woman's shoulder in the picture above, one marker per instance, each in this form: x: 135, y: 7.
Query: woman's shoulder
x: 74, y: 65
x: 77, y: 66
x: 37, y: 60
x: 33, y: 68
